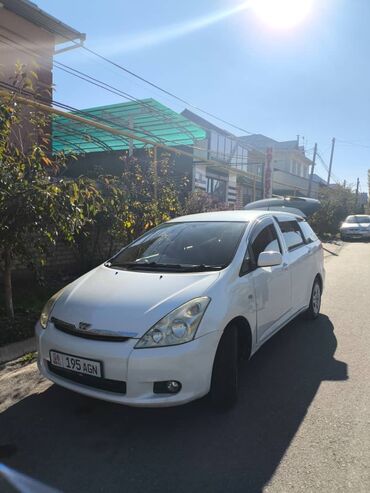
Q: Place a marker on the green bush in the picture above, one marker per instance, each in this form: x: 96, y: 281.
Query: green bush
x: 337, y: 203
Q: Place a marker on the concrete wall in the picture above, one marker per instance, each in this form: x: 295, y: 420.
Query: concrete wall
x: 285, y: 183
x: 21, y: 42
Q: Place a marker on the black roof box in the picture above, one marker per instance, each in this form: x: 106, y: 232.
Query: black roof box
x: 297, y: 205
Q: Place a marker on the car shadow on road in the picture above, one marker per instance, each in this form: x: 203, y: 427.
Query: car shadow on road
x: 79, y: 444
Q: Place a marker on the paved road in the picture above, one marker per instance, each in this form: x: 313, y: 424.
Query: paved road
x: 302, y: 422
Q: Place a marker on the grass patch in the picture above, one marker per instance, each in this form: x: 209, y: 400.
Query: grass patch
x: 28, y: 358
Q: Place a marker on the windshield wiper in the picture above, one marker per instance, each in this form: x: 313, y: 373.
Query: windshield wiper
x: 144, y: 265
x: 204, y: 267
x: 160, y: 266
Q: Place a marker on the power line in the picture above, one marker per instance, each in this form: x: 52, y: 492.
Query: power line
x: 336, y: 179
x: 356, y: 144
x: 101, y: 84
x: 102, y: 126
x: 114, y: 90
x: 184, y: 101
x: 148, y: 82
x: 187, y: 103
x: 124, y: 133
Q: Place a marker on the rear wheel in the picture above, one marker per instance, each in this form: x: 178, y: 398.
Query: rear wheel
x: 224, y: 386
x: 313, y: 310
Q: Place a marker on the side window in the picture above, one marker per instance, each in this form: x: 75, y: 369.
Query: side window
x: 266, y: 240
x: 307, y: 231
x: 292, y: 234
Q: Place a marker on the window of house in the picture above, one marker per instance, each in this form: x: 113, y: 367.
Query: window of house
x: 216, y: 188
x: 292, y: 234
x: 265, y: 241
x: 213, y: 145
x: 221, y: 147
x: 228, y: 145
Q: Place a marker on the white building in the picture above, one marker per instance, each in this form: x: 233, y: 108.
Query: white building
x: 230, y: 178
x: 291, y: 167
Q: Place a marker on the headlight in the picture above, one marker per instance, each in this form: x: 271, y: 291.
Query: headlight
x: 178, y: 327
x: 46, y: 311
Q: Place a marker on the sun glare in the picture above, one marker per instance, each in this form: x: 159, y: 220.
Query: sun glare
x: 282, y: 14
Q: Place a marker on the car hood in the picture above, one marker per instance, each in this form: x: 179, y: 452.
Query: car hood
x: 355, y: 226
x: 127, y: 302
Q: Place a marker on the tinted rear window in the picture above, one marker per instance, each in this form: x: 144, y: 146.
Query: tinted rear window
x: 292, y: 234
x: 357, y: 219
x: 308, y: 232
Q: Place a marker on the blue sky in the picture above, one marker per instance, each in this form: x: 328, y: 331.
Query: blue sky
x: 312, y: 80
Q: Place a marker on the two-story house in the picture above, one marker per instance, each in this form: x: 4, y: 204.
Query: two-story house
x: 290, y: 165
x: 215, y: 161
x: 222, y: 165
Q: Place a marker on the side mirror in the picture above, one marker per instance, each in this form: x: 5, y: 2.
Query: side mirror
x: 269, y: 259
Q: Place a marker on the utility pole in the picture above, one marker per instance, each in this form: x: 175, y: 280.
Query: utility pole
x: 155, y: 173
x: 357, y: 189
x: 312, y: 169
x: 331, y: 159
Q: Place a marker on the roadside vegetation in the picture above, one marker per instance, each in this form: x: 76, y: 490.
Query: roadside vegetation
x: 42, y: 205
x: 337, y: 202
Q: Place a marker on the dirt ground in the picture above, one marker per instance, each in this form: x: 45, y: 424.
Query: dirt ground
x: 18, y: 380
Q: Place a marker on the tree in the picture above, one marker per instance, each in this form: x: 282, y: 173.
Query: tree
x: 151, y: 191
x: 337, y: 202
x: 201, y: 201
x: 37, y: 206
x: 96, y: 240
x: 143, y: 193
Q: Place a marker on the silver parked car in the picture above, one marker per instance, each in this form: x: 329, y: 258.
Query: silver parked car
x: 355, y: 227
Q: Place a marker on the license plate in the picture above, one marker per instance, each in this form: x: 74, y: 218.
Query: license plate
x: 76, y: 364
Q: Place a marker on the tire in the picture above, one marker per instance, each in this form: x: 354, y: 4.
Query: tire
x: 224, y: 385
x: 313, y: 310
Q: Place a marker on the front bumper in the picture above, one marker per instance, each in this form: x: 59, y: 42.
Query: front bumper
x: 355, y: 235
x: 190, y: 363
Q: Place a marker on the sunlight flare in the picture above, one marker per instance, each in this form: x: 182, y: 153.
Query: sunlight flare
x: 282, y: 14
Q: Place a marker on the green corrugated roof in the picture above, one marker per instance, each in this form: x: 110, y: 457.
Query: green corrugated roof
x: 147, y: 118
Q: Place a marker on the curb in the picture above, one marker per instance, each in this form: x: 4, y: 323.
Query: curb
x: 333, y: 249
x: 17, y: 349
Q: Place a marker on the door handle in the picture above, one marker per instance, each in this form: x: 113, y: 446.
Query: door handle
x: 285, y: 266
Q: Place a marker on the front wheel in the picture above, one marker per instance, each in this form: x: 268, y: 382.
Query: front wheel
x: 313, y: 310
x: 224, y: 386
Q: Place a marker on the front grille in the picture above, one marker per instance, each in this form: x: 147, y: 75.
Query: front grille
x: 98, y: 383
x: 74, y: 331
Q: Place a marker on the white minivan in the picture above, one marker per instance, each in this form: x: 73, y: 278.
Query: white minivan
x: 167, y: 319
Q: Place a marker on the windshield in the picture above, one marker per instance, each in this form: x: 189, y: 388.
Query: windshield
x: 358, y: 219
x: 188, y: 246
